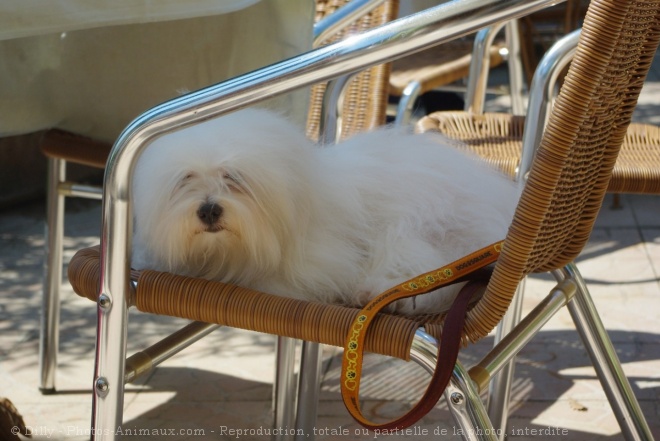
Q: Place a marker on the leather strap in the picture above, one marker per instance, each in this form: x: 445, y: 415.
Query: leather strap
x: 469, y: 267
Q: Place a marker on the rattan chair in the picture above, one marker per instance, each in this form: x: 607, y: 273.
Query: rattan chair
x: 364, y: 96
x: 559, y: 204
x: 503, y: 139
x: 498, y: 138
x: 409, y: 77
x: 507, y: 143
x: 364, y: 107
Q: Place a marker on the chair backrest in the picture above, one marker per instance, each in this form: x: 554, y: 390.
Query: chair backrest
x: 365, y: 100
x: 574, y: 162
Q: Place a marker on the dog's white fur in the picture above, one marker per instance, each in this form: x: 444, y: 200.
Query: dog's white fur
x: 333, y: 224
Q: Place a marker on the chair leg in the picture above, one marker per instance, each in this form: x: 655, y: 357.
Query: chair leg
x: 293, y: 406
x: 608, y: 367
x: 514, y: 63
x: 467, y: 408
x: 500, y: 386
x: 308, y: 390
x: 50, y: 310
x: 284, y: 389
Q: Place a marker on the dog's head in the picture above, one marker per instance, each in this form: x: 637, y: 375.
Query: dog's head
x: 221, y: 200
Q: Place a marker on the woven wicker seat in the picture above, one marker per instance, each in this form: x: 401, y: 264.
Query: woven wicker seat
x: 496, y: 137
x: 552, y: 223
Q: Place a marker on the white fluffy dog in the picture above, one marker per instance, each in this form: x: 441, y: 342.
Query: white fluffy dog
x: 248, y: 199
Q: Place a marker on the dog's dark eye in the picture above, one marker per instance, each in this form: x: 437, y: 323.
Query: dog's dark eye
x: 233, y: 181
x: 184, y: 180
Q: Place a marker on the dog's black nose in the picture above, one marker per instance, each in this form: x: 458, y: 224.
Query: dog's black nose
x: 209, y: 213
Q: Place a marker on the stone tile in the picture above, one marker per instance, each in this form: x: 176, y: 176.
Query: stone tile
x: 549, y: 368
x: 616, y: 211
x: 199, y: 419
x: 575, y: 420
x: 647, y: 105
x: 646, y: 209
x: 651, y: 238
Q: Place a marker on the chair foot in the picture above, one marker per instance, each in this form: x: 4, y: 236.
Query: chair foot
x: 47, y: 390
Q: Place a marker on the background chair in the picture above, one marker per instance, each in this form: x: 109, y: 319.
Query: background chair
x: 539, y: 31
x: 499, y: 137
x: 364, y: 98
x: 417, y: 74
x: 564, y: 192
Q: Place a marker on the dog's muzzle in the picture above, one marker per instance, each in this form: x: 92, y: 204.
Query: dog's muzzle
x: 209, y: 214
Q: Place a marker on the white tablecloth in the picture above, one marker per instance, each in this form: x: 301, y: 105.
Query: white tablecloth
x: 89, y: 67
x: 27, y: 18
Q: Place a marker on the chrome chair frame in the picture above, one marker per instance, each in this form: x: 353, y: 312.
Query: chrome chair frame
x: 435, y: 26
x: 58, y: 188
x: 541, y: 93
x: 477, y: 79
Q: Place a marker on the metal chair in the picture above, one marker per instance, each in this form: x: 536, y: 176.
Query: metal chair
x: 565, y: 188
x: 61, y: 147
